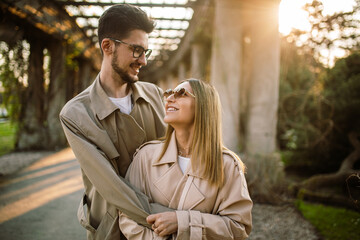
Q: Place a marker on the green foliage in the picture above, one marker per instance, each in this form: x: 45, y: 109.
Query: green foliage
x: 332, y: 223
x: 300, y: 122
x: 342, y: 88
x: 13, y: 67
x: 7, y: 137
x: 316, y: 118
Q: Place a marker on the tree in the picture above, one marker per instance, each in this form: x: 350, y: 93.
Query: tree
x: 319, y: 107
x: 342, y: 90
x: 340, y: 30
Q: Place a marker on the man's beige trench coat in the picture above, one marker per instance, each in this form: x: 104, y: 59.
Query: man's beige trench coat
x: 104, y: 140
x: 204, y: 211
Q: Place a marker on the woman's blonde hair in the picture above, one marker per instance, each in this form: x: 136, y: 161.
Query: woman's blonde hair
x: 207, y: 143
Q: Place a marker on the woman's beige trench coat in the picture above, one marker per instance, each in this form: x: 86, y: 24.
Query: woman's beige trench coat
x: 204, y: 211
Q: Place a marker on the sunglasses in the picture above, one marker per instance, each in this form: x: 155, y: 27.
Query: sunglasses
x: 177, y: 93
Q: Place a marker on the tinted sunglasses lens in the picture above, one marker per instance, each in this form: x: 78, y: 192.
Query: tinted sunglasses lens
x: 179, y: 93
x: 168, y: 92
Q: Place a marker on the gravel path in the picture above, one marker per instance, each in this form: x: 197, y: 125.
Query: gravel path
x: 13, y: 162
x: 280, y: 223
x: 269, y: 222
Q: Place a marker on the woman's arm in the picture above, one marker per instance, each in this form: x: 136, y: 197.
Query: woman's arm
x: 136, y: 175
x: 232, y: 218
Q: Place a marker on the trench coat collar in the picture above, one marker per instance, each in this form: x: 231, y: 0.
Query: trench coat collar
x: 103, y: 106
x: 171, y: 156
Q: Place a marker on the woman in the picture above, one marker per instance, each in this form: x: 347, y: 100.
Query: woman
x: 191, y: 171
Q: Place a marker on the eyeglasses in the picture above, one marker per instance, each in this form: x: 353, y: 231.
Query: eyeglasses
x: 177, y: 93
x: 138, y: 50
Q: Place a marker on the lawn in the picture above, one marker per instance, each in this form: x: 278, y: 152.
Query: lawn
x: 332, y: 223
x: 7, y: 137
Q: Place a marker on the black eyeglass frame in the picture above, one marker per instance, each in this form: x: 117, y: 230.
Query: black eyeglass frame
x: 177, y: 93
x: 136, y: 48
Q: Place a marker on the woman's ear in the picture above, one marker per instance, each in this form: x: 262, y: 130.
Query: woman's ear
x: 107, y: 46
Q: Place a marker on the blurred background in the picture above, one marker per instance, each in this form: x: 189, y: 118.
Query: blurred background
x: 288, y: 75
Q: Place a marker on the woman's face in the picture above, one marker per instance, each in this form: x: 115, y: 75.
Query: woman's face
x: 180, y: 110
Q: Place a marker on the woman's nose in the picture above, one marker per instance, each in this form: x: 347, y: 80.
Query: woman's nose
x: 170, y: 98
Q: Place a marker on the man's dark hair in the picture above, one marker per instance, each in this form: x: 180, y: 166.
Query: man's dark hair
x: 119, y: 20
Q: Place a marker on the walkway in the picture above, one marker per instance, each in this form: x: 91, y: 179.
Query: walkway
x: 40, y: 202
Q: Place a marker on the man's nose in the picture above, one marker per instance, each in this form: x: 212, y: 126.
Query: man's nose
x: 142, y: 60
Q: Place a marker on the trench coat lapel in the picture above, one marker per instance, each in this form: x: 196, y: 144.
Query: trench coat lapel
x: 103, y: 107
x: 172, y: 182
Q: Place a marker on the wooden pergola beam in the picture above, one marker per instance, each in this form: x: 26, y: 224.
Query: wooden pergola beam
x: 53, y: 20
x: 105, y: 4
x: 156, y: 28
x: 152, y: 72
x: 155, y: 18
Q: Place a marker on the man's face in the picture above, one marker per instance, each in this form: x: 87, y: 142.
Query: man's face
x: 123, y: 62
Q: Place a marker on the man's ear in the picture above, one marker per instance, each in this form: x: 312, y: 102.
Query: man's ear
x: 107, y: 46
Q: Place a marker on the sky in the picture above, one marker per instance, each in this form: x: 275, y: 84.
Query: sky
x: 292, y: 16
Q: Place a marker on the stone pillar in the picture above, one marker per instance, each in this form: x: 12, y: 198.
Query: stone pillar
x: 162, y: 84
x: 31, y: 126
x: 197, y: 61
x: 171, y: 82
x: 263, y: 92
x: 56, y: 94
x: 226, y: 66
x: 85, y: 75
x: 181, y: 71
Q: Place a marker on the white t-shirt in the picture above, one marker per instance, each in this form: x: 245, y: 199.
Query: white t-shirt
x: 124, y: 104
x: 183, y: 162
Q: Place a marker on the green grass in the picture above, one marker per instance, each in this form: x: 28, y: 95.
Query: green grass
x: 7, y: 137
x: 331, y: 222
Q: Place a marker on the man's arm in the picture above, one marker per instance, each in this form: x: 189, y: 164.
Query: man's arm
x: 113, y: 188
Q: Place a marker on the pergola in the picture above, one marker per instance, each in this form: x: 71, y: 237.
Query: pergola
x: 176, y: 27
x: 234, y: 44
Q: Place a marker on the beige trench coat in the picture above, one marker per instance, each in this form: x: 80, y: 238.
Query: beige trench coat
x: 204, y: 211
x: 104, y: 141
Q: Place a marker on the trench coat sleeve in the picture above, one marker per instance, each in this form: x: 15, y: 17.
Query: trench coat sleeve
x: 136, y: 174
x: 134, y: 231
x: 232, y: 219
x: 97, y: 167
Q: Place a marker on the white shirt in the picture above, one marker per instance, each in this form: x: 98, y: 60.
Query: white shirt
x: 124, y: 104
x: 183, y: 163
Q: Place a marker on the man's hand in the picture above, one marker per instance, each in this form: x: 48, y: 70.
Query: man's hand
x: 164, y: 223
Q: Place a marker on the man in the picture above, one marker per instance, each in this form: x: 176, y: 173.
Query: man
x: 108, y: 121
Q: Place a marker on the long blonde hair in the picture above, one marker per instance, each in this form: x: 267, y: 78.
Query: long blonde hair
x: 207, y: 143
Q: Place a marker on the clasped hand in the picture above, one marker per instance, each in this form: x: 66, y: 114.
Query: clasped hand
x: 164, y: 223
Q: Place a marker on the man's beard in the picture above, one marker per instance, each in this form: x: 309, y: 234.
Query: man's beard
x: 122, y: 74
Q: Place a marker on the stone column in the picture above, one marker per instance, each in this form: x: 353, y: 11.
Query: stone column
x: 181, y: 71
x: 197, y: 61
x: 162, y: 84
x: 171, y: 82
x: 31, y: 126
x: 226, y: 66
x: 85, y: 75
x: 263, y: 92
x: 56, y: 94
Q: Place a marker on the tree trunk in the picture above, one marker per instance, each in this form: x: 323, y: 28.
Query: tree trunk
x: 32, y: 133
x: 314, y: 188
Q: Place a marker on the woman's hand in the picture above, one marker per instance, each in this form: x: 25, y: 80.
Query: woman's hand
x: 164, y: 223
